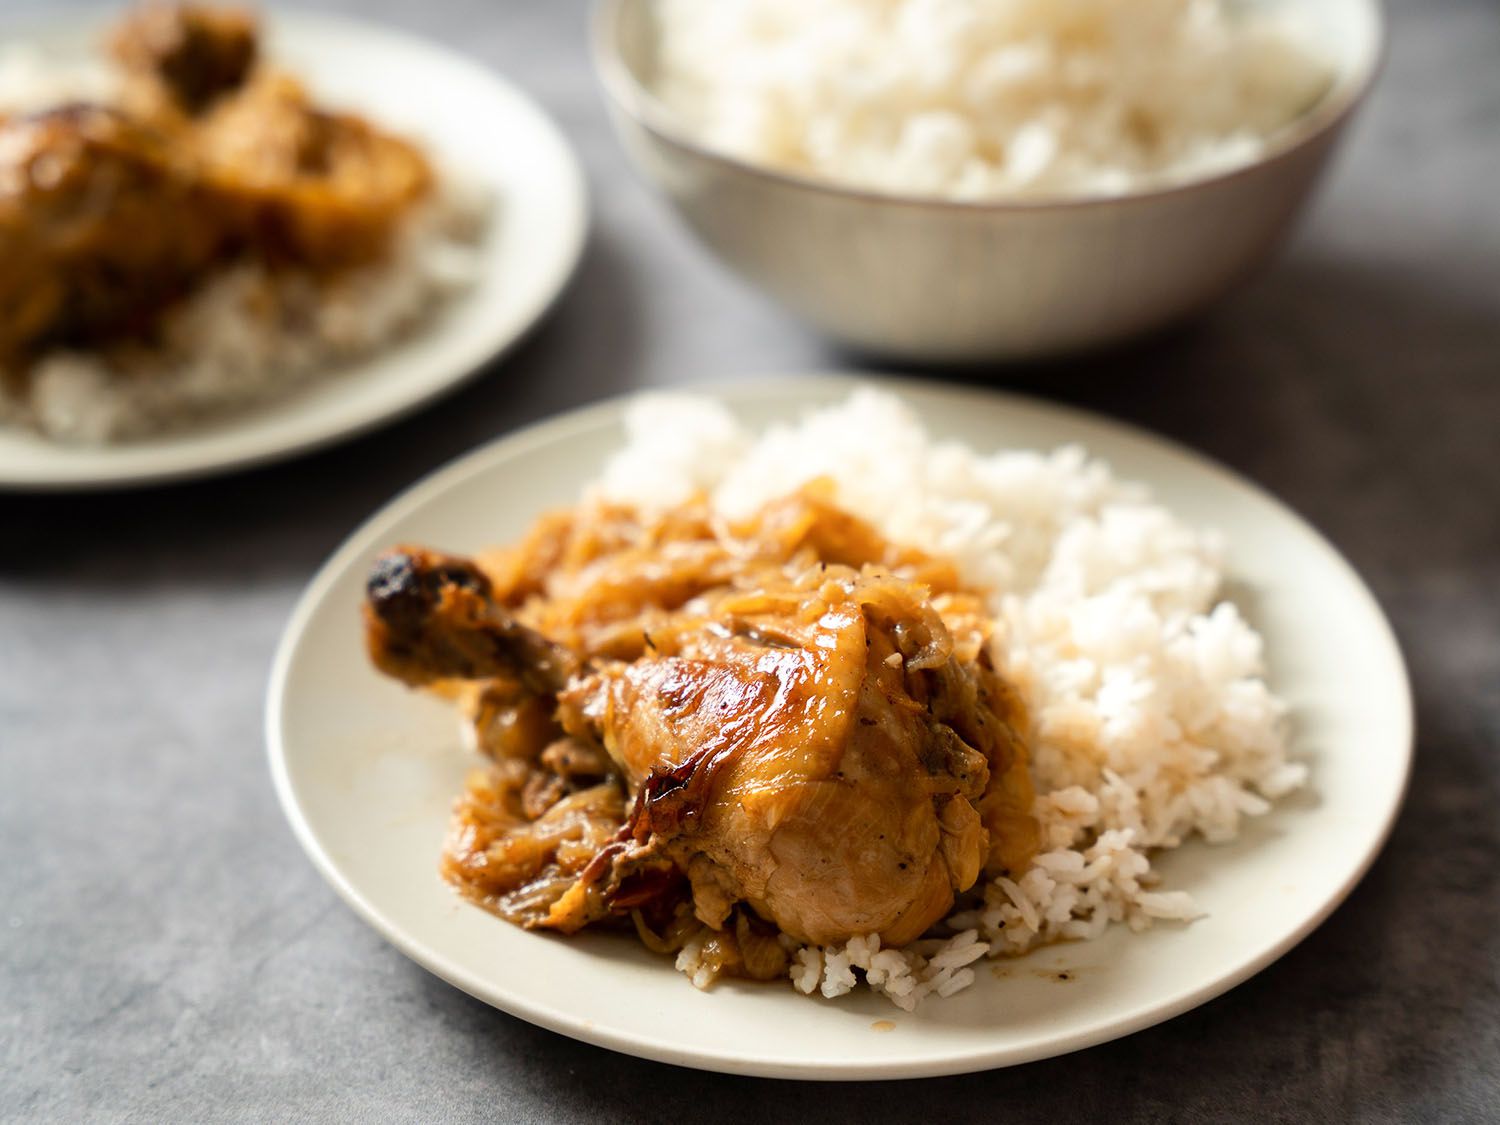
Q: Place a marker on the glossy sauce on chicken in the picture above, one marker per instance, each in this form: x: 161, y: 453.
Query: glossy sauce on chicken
x: 778, y: 731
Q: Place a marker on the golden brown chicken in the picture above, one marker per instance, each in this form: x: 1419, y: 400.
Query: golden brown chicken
x: 110, y: 216
x: 186, y: 56
x: 102, y: 227
x: 316, y: 189
x: 785, y: 725
x: 319, y: 190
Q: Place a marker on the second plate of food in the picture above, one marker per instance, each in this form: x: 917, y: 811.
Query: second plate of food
x: 982, y: 729
x: 329, y: 224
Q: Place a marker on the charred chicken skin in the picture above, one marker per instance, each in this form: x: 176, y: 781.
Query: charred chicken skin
x: 785, y: 725
x: 110, y: 216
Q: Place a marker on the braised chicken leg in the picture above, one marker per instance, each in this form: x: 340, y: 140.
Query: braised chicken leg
x: 110, y: 216
x: 791, y: 752
x: 431, y: 617
x: 102, y: 226
x: 793, y: 734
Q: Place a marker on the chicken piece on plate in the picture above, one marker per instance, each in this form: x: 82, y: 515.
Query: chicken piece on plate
x: 319, y: 189
x: 102, y: 228
x: 431, y: 617
x: 809, y: 739
x: 324, y: 190
x: 814, y: 750
x: 110, y: 216
x: 186, y: 56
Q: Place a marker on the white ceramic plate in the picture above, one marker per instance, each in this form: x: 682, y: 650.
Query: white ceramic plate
x: 366, y: 772
x: 468, y: 118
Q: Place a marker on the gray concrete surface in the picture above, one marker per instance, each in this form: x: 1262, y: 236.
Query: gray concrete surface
x: 167, y: 953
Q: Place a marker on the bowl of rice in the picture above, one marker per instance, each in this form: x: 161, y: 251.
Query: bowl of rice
x: 965, y: 182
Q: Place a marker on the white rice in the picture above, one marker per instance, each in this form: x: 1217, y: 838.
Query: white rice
x: 1151, y: 720
x: 976, y: 99
x: 247, y: 334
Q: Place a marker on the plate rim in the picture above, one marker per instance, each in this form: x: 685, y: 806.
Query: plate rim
x: 35, y: 20
x: 755, y: 389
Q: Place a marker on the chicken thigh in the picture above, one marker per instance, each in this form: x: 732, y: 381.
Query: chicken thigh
x: 801, y: 731
x: 794, y: 750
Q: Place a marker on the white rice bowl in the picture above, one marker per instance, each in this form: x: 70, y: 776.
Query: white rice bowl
x: 1151, y: 719
x: 977, y: 99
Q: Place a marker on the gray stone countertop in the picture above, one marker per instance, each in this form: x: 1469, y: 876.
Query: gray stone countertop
x: 167, y: 953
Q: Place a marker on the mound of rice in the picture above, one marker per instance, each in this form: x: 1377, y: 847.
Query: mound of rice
x: 247, y: 334
x: 1151, y: 722
x: 976, y: 99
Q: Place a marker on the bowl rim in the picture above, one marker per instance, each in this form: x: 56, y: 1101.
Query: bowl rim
x: 1325, y: 118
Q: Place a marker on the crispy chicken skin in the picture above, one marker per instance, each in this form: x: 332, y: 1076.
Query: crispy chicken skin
x: 110, y: 216
x: 770, y: 726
